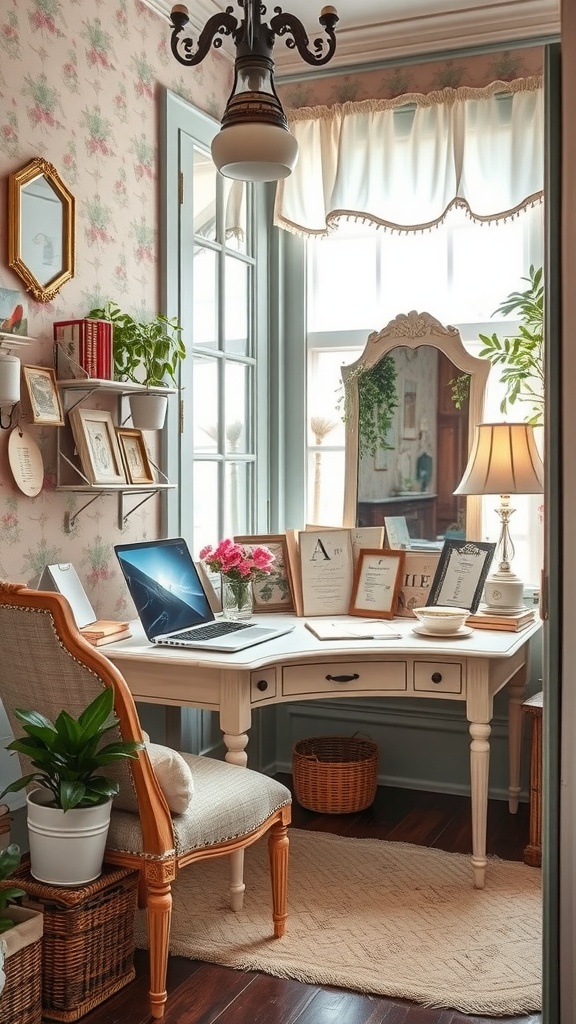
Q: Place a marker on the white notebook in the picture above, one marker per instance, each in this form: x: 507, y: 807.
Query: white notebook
x: 363, y: 629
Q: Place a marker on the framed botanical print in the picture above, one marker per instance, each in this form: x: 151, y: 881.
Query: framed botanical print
x: 43, y: 397
x: 95, y: 439
x: 272, y: 593
x: 135, y: 457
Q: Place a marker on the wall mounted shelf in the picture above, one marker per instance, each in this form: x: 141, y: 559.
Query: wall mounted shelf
x: 75, y: 392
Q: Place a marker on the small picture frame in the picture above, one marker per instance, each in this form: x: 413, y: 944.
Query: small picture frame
x: 461, y: 574
x: 274, y: 592
x: 134, y: 456
x: 97, y: 446
x: 397, y: 533
x: 43, y: 396
x: 377, y: 581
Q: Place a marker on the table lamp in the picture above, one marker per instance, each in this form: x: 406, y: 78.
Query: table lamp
x: 504, y: 460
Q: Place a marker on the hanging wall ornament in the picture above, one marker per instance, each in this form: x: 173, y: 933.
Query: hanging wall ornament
x: 26, y: 462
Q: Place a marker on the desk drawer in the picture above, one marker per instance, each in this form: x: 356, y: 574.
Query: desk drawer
x: 437, y: 677
x: 262, y: 685
x: 344, y: 678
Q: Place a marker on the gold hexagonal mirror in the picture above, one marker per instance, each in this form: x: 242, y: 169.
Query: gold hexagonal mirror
x: 41, y: 247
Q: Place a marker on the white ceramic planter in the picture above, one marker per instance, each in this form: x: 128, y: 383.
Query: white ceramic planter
x: 66, y: 847
x: 148, y: 411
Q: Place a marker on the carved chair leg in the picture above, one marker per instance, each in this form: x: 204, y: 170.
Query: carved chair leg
x: 159, y: 913
x: 278, y: 845
x: 237, y: 886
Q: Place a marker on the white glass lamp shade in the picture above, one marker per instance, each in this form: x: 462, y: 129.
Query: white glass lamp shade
x: 9, y: 379
x: 255, y: 151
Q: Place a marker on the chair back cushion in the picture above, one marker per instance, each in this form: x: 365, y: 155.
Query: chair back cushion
x: 174, y: 776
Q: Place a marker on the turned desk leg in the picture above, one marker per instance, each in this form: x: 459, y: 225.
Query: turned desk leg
x: 479, y: 765
x: 515, y: 697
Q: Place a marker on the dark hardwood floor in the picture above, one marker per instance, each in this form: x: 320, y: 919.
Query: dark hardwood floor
x: 201, y: 993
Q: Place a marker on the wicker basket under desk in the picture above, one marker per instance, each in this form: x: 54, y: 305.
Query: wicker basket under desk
x: 335, y: 774
x: 88, y: 943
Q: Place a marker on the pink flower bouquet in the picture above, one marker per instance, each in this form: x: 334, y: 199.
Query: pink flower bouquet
x: 237, y: 561
x: 239, y: 564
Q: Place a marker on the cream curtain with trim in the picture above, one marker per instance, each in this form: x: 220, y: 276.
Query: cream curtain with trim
x: 403, y: 163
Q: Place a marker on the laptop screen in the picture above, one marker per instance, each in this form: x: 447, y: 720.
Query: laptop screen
x: 164, y: 585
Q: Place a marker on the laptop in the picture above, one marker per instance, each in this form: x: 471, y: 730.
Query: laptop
x: 172, y: 604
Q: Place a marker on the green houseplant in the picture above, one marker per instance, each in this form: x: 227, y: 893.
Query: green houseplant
x: 522, y: 357
x: 377, y: 400
x: 146, y: 352
x: 9, y: 861
x: 20, y: 948
x: 74, y: 796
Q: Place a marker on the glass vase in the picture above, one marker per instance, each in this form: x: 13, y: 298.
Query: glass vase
x: 237, y: 598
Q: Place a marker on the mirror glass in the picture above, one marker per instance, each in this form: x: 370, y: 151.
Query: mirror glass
x: 41, y: 229
x: 407, y: 459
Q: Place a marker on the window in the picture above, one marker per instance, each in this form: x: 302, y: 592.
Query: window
x: 213, y: 255
x: 359, y: 278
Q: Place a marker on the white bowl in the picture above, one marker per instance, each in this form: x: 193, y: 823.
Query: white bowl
x: 441, y: 619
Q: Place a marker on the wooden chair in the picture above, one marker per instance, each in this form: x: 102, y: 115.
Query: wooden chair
x: 45, y: 664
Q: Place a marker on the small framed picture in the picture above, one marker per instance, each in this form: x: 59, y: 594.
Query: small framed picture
x: 95, y: 439
x: 377, y: 581
x: 461, y: 574
x: 43, y: 397
x: 134, y: 455
x: 272, y: 593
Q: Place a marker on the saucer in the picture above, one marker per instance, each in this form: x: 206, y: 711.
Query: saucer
x: 461, y: 632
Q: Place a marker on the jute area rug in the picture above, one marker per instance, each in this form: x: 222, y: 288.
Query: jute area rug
x: 377, y: 917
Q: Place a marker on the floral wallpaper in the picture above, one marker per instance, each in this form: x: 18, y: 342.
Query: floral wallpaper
x: 81, y: 86
x: 457, y: 71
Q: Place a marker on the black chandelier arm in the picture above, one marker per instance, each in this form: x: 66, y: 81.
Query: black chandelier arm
x: 288, y: 24
x: 222, y: 24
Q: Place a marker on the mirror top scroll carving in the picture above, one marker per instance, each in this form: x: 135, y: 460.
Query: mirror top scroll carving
x: 41, y: 229
x: 429, y: 436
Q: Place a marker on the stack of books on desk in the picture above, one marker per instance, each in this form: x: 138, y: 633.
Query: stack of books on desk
x: 513, y: 623
x: 105, y: 631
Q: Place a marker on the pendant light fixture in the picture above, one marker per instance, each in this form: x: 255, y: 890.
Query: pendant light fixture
x: 254, y: 143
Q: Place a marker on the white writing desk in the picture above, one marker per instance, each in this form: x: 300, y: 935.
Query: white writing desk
x: 297, y: 666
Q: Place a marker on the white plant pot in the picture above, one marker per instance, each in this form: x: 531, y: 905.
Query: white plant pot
x: 148, y: 410
x: 66, y: 847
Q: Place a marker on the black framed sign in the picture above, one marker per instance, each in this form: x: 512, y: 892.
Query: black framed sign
x: 461, y: 574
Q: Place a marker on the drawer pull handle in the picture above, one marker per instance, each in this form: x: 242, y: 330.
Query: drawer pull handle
x: 436, y: 677
x: 343, y: 679
x: 262, y: 685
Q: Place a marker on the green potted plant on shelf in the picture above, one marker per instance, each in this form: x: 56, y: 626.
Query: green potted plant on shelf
x: 145, y: 352
x: 69, y: 811
x: 20, y: 929
x: 522, y: 356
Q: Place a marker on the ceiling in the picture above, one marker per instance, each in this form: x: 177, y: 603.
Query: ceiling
x: 375, y: 30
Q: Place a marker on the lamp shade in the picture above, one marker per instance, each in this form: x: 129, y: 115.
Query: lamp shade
x: 255, y: 152
x: 504, y: 460
x: 9, y: 379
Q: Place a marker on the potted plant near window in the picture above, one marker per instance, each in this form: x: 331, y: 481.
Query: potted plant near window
x: 147, y: 353
x: 69, y: 811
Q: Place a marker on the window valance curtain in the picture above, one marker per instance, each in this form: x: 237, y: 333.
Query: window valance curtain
x: 403, y: 163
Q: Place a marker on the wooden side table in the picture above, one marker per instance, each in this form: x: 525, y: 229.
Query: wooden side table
x: 533, y: 852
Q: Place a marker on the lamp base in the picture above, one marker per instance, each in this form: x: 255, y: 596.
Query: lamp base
x: 503, y: 593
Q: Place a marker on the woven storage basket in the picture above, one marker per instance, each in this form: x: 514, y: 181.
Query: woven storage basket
x: 21, y: 998
x: 335, y: 774
x: 88, y: 943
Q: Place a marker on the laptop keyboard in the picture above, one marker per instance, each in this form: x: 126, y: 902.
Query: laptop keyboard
x: 211, y: 630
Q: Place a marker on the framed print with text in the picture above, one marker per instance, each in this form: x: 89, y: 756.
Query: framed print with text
x: 461, y: 574
x: 377, y: 583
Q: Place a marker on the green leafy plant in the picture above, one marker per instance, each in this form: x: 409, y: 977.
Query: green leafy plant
x: 145, y: 352
x: 9, y: 861
x: 377, y: 400
x: 67, y: 754
x: 522, y: 357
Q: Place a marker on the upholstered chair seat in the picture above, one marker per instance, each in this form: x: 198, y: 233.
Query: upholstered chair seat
x: 172, y: 808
